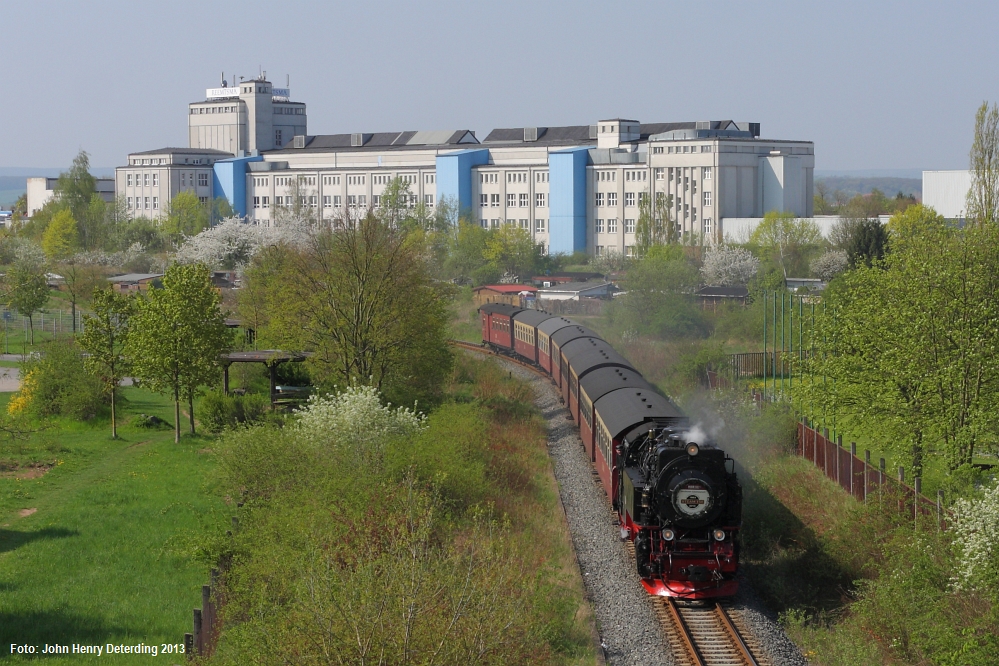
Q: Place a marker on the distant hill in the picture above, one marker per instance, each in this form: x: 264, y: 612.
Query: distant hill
x: 852, y: 185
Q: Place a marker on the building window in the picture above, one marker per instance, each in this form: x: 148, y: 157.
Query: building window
x: 657, y: 150
x: 540, y: 199
x: 266, y: 202
x: 707, y: 198
x: 598, y: 250
x: 612, y: 225
x: 313, y: 201
x: 494, y: 223
x: 278, y: 202
x: 705, y: 149
x: 541, y: 177
x: 428, y: 200
x: 145, y: 179
x: 487, y: 178
x: 707, y: 226
x: 327, y: 201
x: 494, y: 199
x: 485, y: 223
x: 511, y: 200
x: 336, y: 201
x: 129, y: 203
x: 599, y: 226
x: 525, y: 224
x: 629, y: 198
x: 256, y: 202
x: 612, y: 198
x: 203, y: 200
x: 629, y: 251
x: 277, y: 139
x: 660, y: 174
x: 128, y: 179
x: 539, y: 225
x: 352, y: 201
x: 599, y: 199
x: 429, y: 178
x: 146, y: 203
x: 525, y: 200
x: 706, y: 173
x: 362, y: 200
x: 629, y: 225
x: 483, y: 200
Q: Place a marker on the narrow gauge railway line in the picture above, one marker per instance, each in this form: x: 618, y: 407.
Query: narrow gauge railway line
x: 698, y: 635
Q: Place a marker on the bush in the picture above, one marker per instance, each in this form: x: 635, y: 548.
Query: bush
x: 220, y: 412
x: 58, y: 384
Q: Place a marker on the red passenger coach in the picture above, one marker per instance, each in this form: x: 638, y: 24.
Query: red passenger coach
x: 525, y: 333
x: 497, y: 324
x: 596, y: 385
x: 558, y: 340
x: 545, y: 330
x: 617, y: 413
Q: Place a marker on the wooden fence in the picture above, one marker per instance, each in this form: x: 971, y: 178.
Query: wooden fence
x: 207, y: 624
x: 862, y: 479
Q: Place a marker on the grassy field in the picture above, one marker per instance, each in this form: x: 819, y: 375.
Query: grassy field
x: 95, y: 534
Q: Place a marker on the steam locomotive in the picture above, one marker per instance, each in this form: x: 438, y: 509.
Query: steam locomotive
x: 676, y: 493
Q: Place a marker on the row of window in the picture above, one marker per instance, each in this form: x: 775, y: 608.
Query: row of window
x: 205, y: 110
x: 679, y: 150
x: 611, y: 225
x: 629, y: 250
x: 142, y: 203
x: 153, y: 161
x: 335, y: 201
x: 521, y: 200
x: 514, y: 177
x: 144, y: 179
x: 539, y: 224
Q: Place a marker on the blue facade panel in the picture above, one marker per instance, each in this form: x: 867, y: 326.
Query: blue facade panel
x: 229, y: 178
x: 567, y: 200
x: 454, y: 174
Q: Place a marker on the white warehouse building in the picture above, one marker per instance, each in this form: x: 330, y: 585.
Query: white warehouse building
x: 574, y: 188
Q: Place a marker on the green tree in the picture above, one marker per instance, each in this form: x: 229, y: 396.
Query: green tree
x: 363, y: 297
x: 867, y: 243
x: 908, y: 346
x: 178, y: 335
x: 76, y: 187
x: 660, y: 288
x: 61, y: 237
x: 655, y: 225
x: 187, y: 216
x: 104, y: 339
x: 221, y: 210
x: 983, y: 197
x: 467, y: 252
x: 787, y: 238
x: 512, y: 250
x: 79, y: 280
x: 26, y: 290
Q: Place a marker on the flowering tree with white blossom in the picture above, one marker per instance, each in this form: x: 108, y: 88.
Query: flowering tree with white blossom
x: 727, y: 265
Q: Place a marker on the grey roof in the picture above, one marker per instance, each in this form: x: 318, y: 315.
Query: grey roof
x: 580, y: 134
x: 574, y: 286
x: 500, y: 308
x: 549, y: 326
x: 134, y: 277
x: 384, y: 141
x: 184, y: 151
x: 602, y: 381
x: 564, y: 335
x: 600, y: 356
x: 625, y: 408
x: 724, y: 292
x: 532, y: 317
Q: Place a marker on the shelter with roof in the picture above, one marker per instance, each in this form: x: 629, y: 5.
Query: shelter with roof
x: 511, y: 294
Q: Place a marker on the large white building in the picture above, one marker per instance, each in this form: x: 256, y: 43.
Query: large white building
x: 574, y: 188
x: 947, y: 192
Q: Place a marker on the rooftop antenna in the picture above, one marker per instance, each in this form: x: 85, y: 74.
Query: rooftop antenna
x: 288, y: 84
x: 222, y: 78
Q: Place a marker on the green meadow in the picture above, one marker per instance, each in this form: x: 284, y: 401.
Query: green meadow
x: 97, y: 535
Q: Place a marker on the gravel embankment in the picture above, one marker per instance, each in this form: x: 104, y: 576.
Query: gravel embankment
x: 626, y: 623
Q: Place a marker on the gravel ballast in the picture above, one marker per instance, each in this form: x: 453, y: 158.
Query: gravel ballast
x: 628, y: 628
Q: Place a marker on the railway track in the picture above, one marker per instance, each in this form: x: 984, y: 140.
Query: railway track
x: 707, y: 635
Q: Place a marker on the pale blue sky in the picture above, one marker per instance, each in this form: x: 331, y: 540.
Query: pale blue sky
x: 876, y: 85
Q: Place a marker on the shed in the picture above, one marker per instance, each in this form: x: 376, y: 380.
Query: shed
x: 131, y: 283
x: 502, y: 293
x: 564, y: 278
x: 575, y: 290
x: 711, y: 297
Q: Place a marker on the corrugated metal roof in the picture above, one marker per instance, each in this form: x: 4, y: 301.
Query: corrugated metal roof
x: 623, y: 409
x: 598, y: 357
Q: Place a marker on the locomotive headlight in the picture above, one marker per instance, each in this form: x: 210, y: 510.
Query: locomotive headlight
x: 693, y: 449
x: 719, y: 535
x: 668, y: 535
